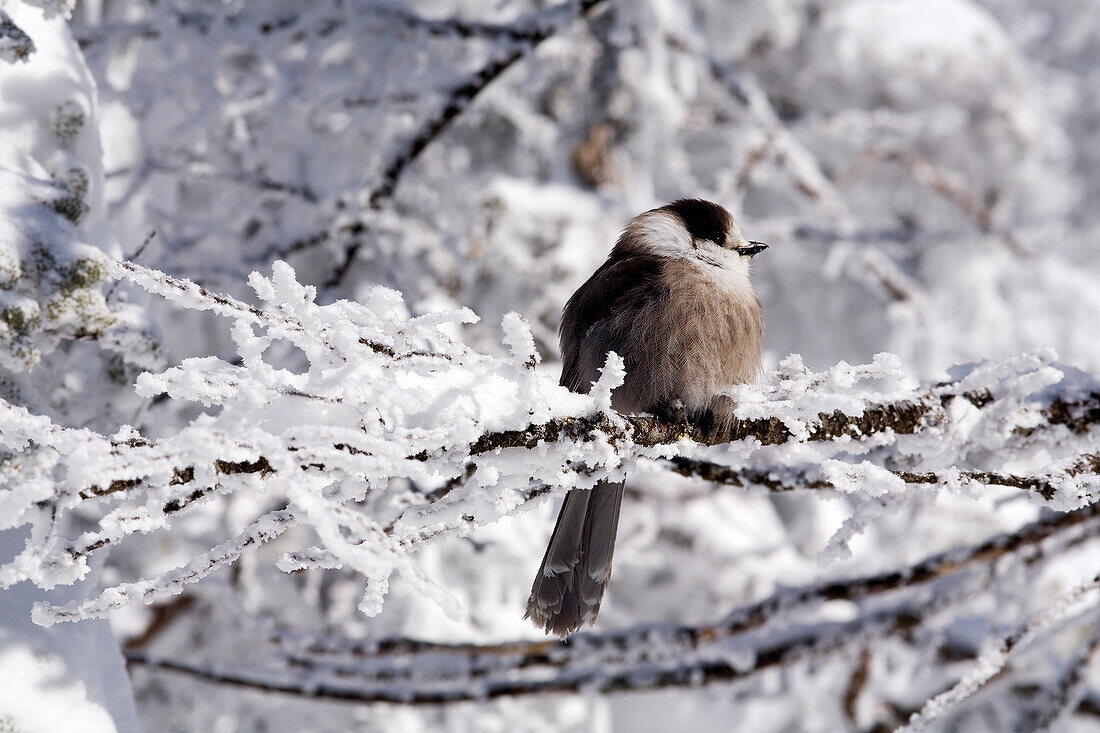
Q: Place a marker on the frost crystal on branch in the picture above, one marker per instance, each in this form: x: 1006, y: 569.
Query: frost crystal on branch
x: 387, y: 397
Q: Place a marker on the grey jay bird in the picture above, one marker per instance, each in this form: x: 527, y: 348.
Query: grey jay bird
x: 674, y: 301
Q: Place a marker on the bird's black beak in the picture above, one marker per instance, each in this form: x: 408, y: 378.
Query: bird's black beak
x: 752, y: 250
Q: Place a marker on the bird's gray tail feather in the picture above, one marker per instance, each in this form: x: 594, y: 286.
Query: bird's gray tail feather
x: 570, y: 583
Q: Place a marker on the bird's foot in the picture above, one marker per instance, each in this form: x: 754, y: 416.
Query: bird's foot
x: 673, y: 413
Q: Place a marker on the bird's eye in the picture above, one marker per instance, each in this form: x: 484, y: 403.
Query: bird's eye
x: 720, y: 240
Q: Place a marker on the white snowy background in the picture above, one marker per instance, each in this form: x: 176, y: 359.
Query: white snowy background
x: 277, y: 278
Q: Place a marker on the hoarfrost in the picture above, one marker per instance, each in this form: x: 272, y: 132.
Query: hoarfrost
x: 341, y: 435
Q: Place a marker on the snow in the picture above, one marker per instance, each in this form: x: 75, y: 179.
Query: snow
x: 53, y: 238
x: 291, y: 413
x: 69, y: 678
x: 994, y: 660
x: 15, y: 44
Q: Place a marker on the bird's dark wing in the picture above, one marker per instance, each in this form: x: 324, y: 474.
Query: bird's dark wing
x: 621, y: 284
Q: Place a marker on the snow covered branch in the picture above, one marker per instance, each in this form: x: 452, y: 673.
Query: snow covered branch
x: 800, y: 646
x: 269, y: 493
x: 650, y: 657
x: 1047, y: 486
x: 387, y: 399
x: 1048, y: 535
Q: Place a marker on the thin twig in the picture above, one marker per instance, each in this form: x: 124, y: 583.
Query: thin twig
x: 803, y: 644
x: 261, y: 531
x: 942, y: 183
x: 792, y: 479
x: 133, y: 258
x: 459, y: 100
x: 632, y: 659
x: 992, y: 662
x: 613, y: 645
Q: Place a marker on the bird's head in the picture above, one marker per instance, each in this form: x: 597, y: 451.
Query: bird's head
x: 690, y: 229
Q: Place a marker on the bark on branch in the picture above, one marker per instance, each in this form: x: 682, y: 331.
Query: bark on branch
x: 903, y: 418
x: 907, y: 417
x: 1046, y: 486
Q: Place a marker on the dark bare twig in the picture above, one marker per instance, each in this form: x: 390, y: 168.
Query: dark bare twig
x: 524, y: 30
x: 856, y: 684
x: 803, y: 644
x: 632, y: 659
x: 616, y: 644
x: 459, y: 100
x: 163, y: 616
x: 137, y: 253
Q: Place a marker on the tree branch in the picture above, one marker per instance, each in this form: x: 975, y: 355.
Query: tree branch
x: 459, y: 100
x: 793, y: 479
x: 259, y: 532
x: 1065, y: 694
x: 613, y: 645
x: 905, y: 417
x: 992, y: 662
x: 945, y: 185
x: 532, y: 29
x: 803, y: 644
x: 640, y: 658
